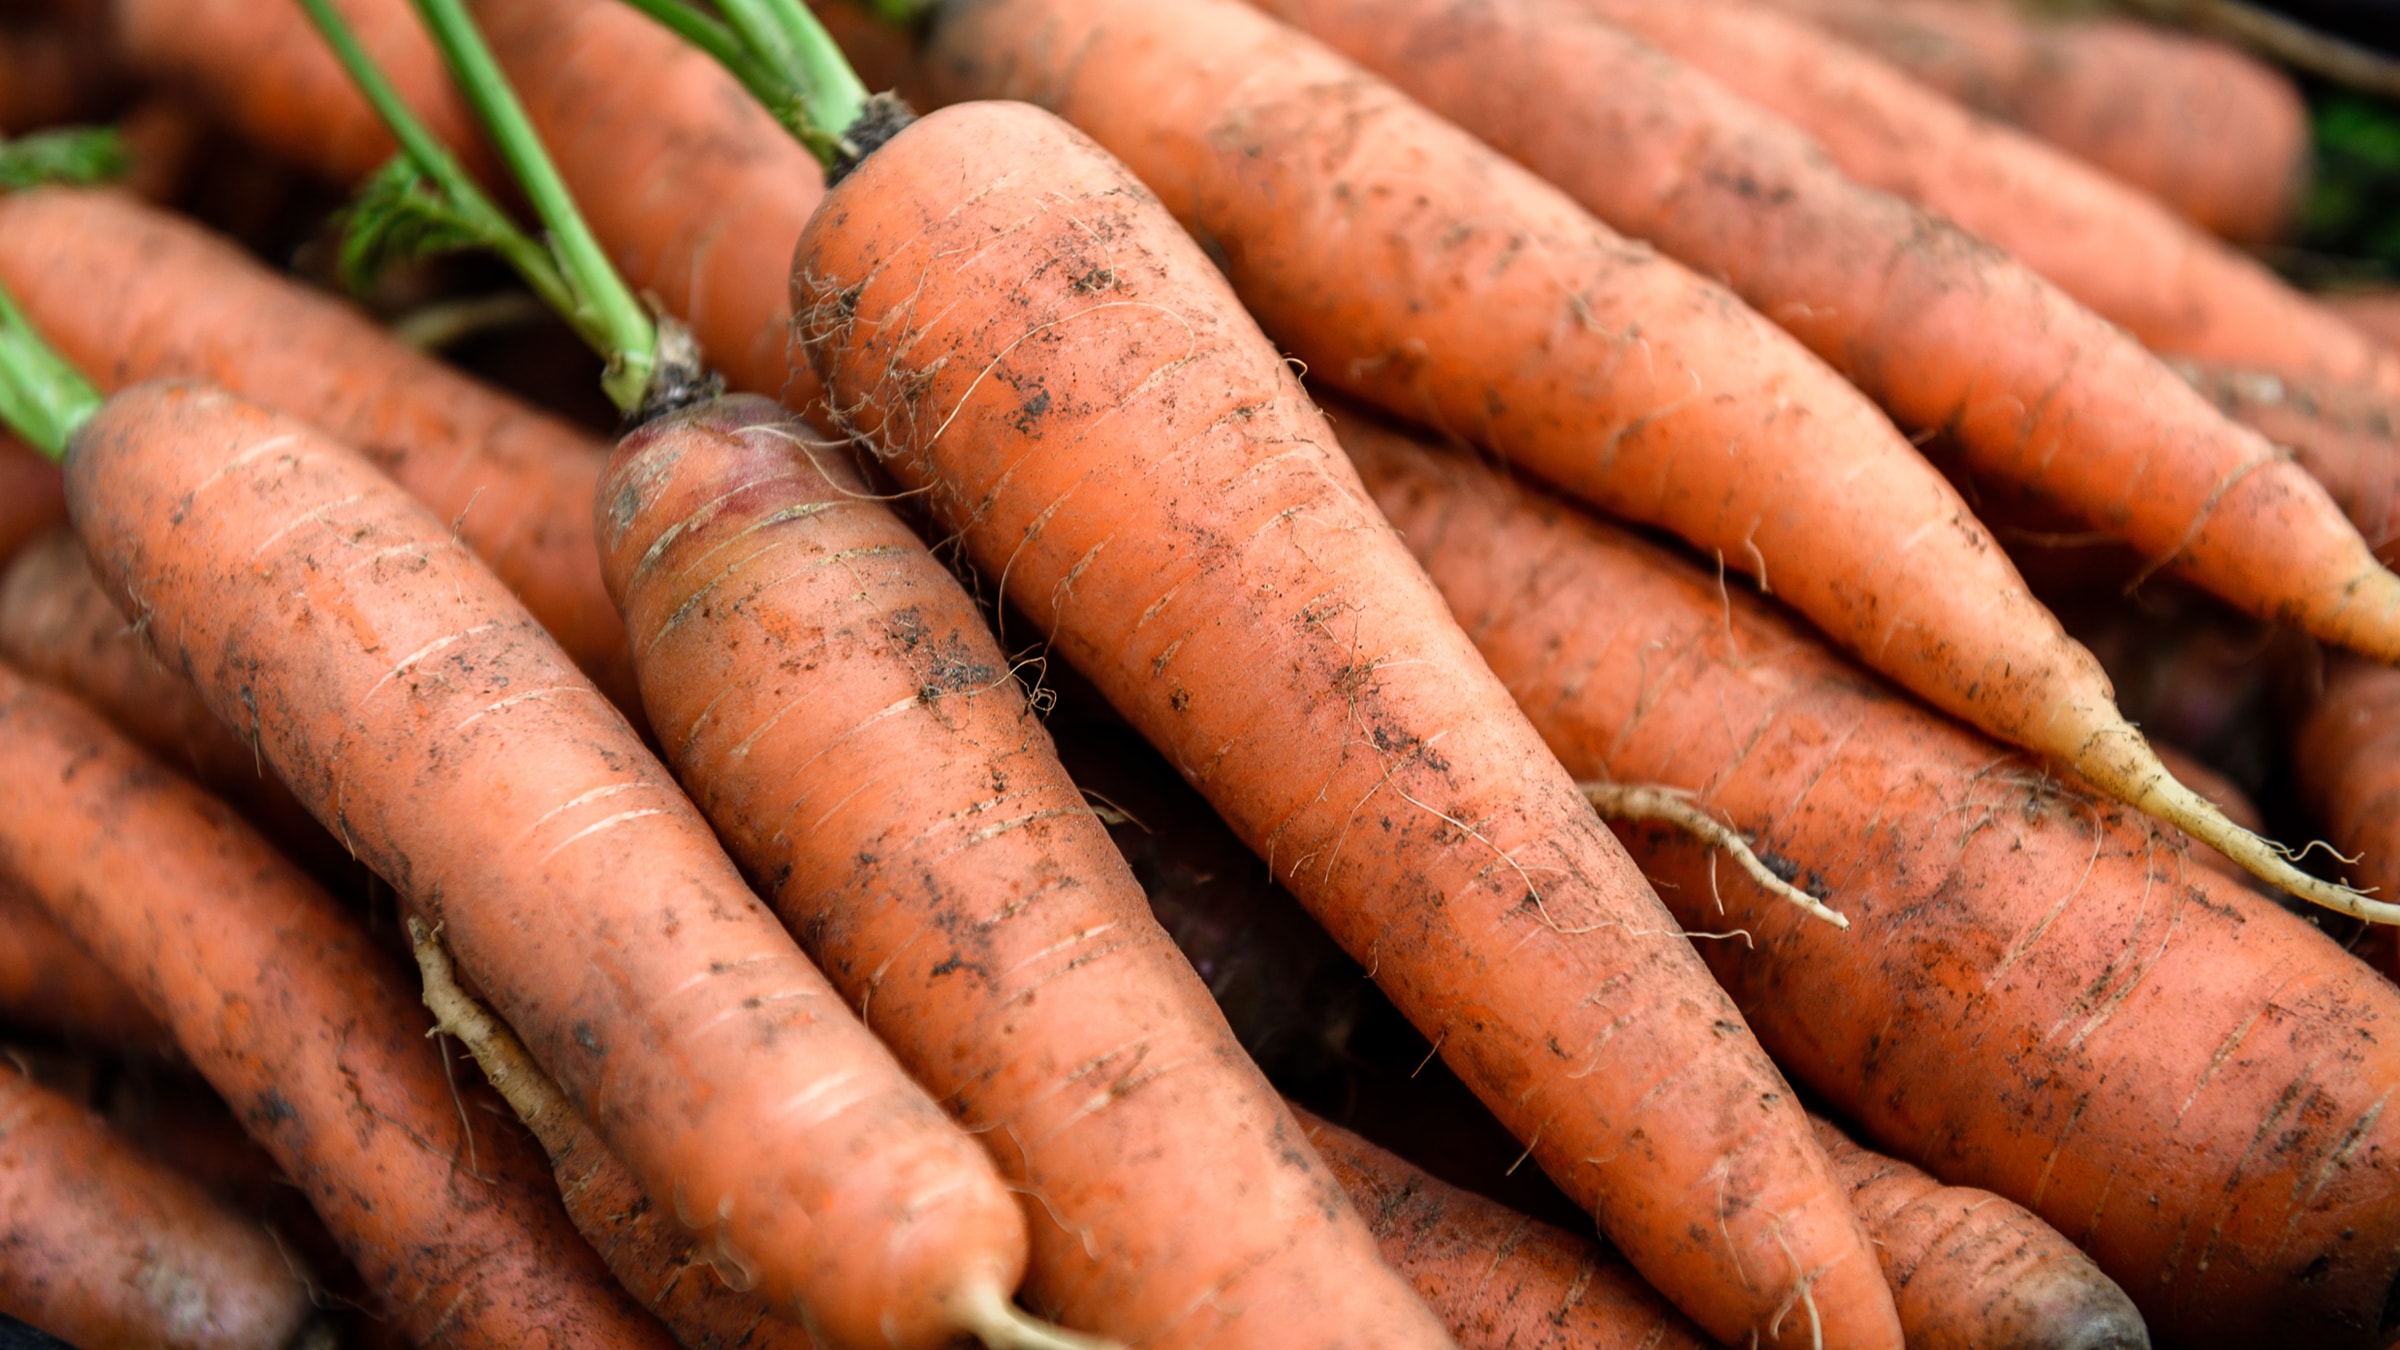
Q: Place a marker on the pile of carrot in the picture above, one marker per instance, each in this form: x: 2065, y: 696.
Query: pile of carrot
x: 1202, y: 674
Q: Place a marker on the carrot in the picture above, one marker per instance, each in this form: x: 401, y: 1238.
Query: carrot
x: 2222, y: 793
x: 1499, y: 1280
x: 33, y: 498
x: 2341, y: 752
x: 1972, y: 1271
x: 2347, y: 438
x: 2039, y: 995
x: 2216, y: 135
x: 130, y: 294
x: 103, y: 1247
x: 2120, y: 253
x: 643, y: 1248
x: 794, y: 632
x: 293, y: 1016
x: 260, y: 69
x: 1414, y: 267
x: 2376, y: 313
x: 49, y: 982
x: 1081, y: 399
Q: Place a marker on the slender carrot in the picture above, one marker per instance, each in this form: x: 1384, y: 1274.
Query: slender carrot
x: 259, y: 68
x: 2220, y: 137
x: 130, y: 293
x: 2039, y: 995
x: 1069, y: 381
x: 2348, y: 438
x: 2222, y: 793
x: 1413, y: 266
x: 33, y: 498
x: 289, y: 1011
x: 2120, y: 253
x: 103, y: 1247
x: 1972, y: 1271
x: 1499, y: 1280
x: 49, y: 982
x: 652, y: 1257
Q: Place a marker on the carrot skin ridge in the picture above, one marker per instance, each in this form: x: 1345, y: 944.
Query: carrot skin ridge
x: 106, y: 1247
x: 1021, y: 437
x: 290, y: 1012
x: 423, y: 715
x: 839, y: 709
x: 2135, y: 1016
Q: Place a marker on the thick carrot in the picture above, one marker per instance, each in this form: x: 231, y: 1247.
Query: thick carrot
x: 103, y: 1247
x: 2039, y: 995
x: 1080, y: 397
x: 294, y: 1017
x: 421, y: 713
x: 1972, y: 1271
x: 644, y: 1248
x: 838, y: 707
x: 49, y: 982
x: 2218, y: 136
x: 2348, y: 438
x: 261, y: 69
x: 1409, y: 264
x: 2116, y: 250
x: 1500, y: 1281
x: 130, y: 293
x: 32, y: 496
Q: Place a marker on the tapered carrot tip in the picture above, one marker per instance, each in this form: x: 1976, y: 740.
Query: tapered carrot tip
x: 2115, y: 758
x: 2061, y: 1310
x: 1672, y: 806
x: 987, y: 1315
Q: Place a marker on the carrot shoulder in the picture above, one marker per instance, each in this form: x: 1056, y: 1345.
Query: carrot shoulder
x: 129, y: 293
x: 2116, y: 1021
x: 840, y: 710
x: 2117, y: 251
x: 301, y: 1024
x: 1068, y: 379
x: 422, y: 714
x: 105, y: 1247
x: 1409, y: 264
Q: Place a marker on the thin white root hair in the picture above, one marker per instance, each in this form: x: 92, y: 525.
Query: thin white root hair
x: 984, y: 1312
x: 506, y: 1063
x: 1673, y: 806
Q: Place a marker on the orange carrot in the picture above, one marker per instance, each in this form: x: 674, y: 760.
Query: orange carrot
x: 2376, y: 313
x: 290, y: 1012
x: 32, y: 496
x: 2039, y: 995
x: 261, y: 69
x: 1413, y: 266
x: 102, y: 1247
x: 652, y: 1257
x: 129, y: 293
x: 2117, y: 251
x: 2342, y: 752
x: 49, y: 982
x: 2348, y: 438
x: 2218, y: 136
x: 421, y: 713
x: 1972, y: 1271
x: 1070, y: 383
x: 1500, y: 1281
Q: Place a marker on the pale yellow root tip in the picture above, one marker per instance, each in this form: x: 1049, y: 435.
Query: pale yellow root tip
x: 1671, y: 806
x: 2147, y: 786
x: 984, y: 1312
x: 505, y: 1062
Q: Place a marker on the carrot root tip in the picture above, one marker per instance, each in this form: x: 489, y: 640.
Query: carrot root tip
x: 1664, y: 805
x: 985, y: 1312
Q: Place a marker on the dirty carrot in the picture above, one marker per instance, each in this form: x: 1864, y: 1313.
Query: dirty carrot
x: 1499, y: 1280
x: 1972, y: 1271
x: 105, y: 1247
x: 2220, y: 137
x: 648, y: 1253
x: 2119, y: 1022
x: 49, y: 982
x: 1419, y: 269
x: 291, y: 1013
x: 2117, y: 251
x: 794, y: 633
x: 2346, y: 437
x: 130, y: 293
x: 1067, y: 379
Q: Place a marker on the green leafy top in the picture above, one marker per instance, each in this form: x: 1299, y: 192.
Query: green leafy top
x: 788, y: 62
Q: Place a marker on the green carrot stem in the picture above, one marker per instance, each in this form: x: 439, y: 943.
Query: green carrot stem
x: 785, y: 58
x: 720, y: 45
x: 604, y: 309
x: 42, y: 398
x: 66, y: 155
